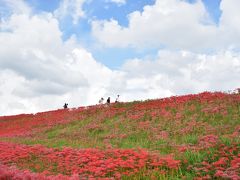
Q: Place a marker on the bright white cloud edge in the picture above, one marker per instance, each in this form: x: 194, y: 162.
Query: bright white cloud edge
x: 173, y: 24
x: 72, y: 8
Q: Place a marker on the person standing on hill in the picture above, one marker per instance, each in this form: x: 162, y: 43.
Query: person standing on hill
x: 108, y: 100
x: 101, y: 100
x: 65, y: 106
x: 117, y: 99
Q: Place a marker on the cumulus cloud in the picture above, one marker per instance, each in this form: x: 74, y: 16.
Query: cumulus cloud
x: 176, y: 73
x: 33, y: 47
x: 72, y: 8
x: 181, y: 72
x: 229, y: 27
x: 173, y: 24
x: 40, y: 71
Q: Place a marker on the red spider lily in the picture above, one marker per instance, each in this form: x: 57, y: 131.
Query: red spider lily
x: 208, y: 140
x: 162, y: 119
x: 97, y: 163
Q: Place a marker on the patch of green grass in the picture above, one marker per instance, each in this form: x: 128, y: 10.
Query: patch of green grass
x: 66, y: 128
x: 226, y: 141
x: 194, y: 157
x: 27, y: 141
x: 59, y: 143
x: 54, y: 132
x: 229, y: 141
x: 190, y: 139
x: 197, y: 157
x: 162, y: 146
x: 164, y: 150
x: 134, y: 140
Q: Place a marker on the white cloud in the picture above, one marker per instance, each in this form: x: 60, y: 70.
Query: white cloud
x: 173, y: 24
x: 229, y: 27
x: 41, y: 71
x: 17, y: 7
x: 181, y: 72
x: 118, y: 2
x: 36, y: 48
x: 9, y: 104
x: 72, y: 8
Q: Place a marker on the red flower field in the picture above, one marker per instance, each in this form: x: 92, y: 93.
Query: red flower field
x: 181, y: 137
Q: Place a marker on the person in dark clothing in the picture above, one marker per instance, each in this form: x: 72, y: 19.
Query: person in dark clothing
x: 65, y: 106
x: 108, y: 100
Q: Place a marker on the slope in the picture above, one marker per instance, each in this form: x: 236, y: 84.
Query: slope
x: 191, y: 136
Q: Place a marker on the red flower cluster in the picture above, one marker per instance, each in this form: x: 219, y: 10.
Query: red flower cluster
x: 208, y: 141
x: 14, y: 173
x: 26, y: 124
x: 223, y: 163
x: 87, y: 163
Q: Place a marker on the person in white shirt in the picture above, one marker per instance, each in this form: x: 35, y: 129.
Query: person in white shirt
x: 101, y: 100
x: 117, y: 99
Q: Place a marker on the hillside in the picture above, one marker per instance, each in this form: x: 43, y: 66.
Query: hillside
x: 185, y: 137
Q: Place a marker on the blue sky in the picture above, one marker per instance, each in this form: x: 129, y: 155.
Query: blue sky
x: 104, y: 10
x: 77, y: 51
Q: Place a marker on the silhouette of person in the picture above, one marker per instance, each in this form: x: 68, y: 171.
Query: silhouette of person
x: 101, y: 100
x: 238, y: 90
x: 65, y: 106
x: 108, y: 100
x: 117, y: 99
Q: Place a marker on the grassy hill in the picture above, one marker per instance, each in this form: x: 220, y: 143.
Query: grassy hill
x: 184, y: 137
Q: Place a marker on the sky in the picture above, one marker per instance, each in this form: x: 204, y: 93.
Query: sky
x: 77, y: 51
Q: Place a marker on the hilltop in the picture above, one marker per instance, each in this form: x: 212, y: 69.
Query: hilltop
x: 193, y: 136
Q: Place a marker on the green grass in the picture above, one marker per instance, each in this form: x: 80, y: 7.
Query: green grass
x: 190, y: 139
x: 139, y: 139
x: 195, y: 157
